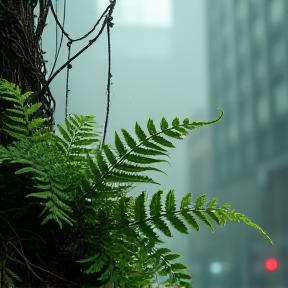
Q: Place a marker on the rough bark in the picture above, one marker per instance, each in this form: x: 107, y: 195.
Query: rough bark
x: 21, y: 58
x: 22, y: 63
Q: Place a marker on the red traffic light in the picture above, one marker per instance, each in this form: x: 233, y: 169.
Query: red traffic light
x: 271, y: 264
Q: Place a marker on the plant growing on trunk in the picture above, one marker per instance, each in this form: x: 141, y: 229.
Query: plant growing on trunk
x: 68, y: 216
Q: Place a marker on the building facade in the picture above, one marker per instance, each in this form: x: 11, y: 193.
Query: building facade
x: 248, y: 79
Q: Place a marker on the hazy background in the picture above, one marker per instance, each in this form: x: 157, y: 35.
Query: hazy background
x: 187, y: 58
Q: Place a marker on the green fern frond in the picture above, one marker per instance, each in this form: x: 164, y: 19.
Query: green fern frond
x: 170, y: 202
x: 139, y: 207
x: 18, y: 115
x: 225, y: 213
x: 56, y: 207
x: 149, y: 232
x: 155, y: 204
x: 176, y: 271
x: 7, y: 275
x: 94, y: 264
x: 37, y: 159
x: 78, y: 135
x: 13, y: 274
x: 131, y: 157
x: 189, y: 213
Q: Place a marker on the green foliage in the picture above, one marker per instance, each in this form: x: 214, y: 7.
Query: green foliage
x: 17, y: 112
x: 66, y: 194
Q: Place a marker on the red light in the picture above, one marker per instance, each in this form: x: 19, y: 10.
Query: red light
x: 271, y: 264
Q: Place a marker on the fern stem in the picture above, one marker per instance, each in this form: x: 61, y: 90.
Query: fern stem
x: 150, y: 219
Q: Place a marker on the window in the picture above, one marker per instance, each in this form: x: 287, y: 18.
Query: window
x: 245, y: 84
x: 247, y: 123
x: 143, y: 28
x: 281, y: 98
x: 246, y: 116
x: 229, y: 62
x: 228, y: 12
x: 276, y: 11
x: 264, y: 142
x: 263, y: 110
x: 258, y: 29
x: 220, y: 136
x: 241, y: 9
x: 236, y: 159
x: 260, y: 69
x: 221, y: 166
x: 278, y: 53
x: 230, y: 87
x: 249, y: 151
x: 233, y: 132
x: 244, y: 46
x: 145, y: 13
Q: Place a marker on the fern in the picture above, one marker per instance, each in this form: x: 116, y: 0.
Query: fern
x: 130, y: 157
x: 18, y: 119
x: 78, y: 136
x: 40, y: 161
x: 80, y: 191
x: 186, y: 214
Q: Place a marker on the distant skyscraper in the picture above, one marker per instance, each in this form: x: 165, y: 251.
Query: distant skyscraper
x: 248, y: 80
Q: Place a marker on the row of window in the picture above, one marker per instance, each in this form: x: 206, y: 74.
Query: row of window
x: 242, y: 11
x: 143, y: 13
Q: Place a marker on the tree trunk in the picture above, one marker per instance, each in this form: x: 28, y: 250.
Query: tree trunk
x: 22, y: 63
x: 21, y: 57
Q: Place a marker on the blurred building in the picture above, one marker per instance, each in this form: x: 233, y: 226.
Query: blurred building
x: 248, y: 151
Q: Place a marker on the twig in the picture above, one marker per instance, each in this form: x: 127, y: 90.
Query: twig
x: 91, y: 42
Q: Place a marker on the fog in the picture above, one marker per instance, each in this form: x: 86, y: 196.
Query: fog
x: 188, y: 58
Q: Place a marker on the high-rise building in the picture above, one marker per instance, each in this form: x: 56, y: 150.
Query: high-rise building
x: 248, y: 79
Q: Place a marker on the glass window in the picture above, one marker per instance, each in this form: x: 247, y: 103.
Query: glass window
x: 278, y: 53
x: 249, y: 151
x: 230, y: 88
x: 264, y: 143
x: 221, y: 165
x: 276, y: 11
x: 233, y: 133
x: 220, y: 138
x: 246, y: 116
x: 260, y: 69
x: 232, y: 127
x: 219, y: 78
x: 241, y: 9
x: 236, y: 159
x: 247, y: 123
x: 263, y: 110
x: 228, y: 12
x: 258, y: 28
x: 244, y: 46
x: 245, y: 84
x: 141, y: 12
x: 281, y: 98
x: 229, y: 61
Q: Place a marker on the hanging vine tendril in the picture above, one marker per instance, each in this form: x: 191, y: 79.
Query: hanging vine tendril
x: 107, y: 15
x: 69, y: 66
x: 109, y: 25
x: 58, y: 48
